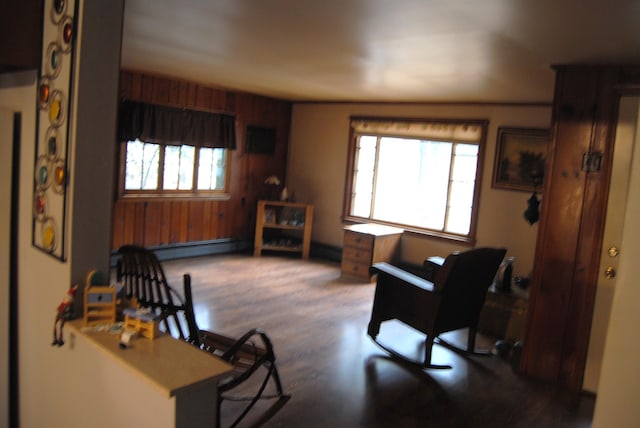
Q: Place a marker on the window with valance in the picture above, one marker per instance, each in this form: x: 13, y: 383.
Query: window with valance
x: 177, y: 126
x: 170, y: 150
x: 421, y: 175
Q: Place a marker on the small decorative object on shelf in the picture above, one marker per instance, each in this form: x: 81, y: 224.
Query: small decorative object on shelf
x: 283, y: 226
x: 272, y: 184
x: 142, y: 321
x: 502, y: 280
x: 99, y: 300
x: 64, y: 312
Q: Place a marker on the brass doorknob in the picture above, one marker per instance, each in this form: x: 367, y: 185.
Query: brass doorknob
x: 609, y: 273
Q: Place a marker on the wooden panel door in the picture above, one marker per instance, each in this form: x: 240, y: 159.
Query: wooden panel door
x: 572, y: 223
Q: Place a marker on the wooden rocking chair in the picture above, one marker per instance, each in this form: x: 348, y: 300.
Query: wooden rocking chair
x: 144, y: 280
x: 452, y: 301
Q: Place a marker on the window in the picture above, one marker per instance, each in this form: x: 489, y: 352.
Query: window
x: 174, y: 151
x: 162, y: 168
x: 419, y: 175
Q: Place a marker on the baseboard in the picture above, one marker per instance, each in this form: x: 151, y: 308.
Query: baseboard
x: 327, y: 252
x: 226, y: 246
x: 196, y: 249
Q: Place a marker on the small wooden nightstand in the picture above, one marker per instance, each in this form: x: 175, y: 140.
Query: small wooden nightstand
x: 366, y: 244
x: 504, y: 314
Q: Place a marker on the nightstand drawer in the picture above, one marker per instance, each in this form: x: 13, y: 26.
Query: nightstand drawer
x: 358, y: 240
x: 358, y: 269
x: 355, y: 254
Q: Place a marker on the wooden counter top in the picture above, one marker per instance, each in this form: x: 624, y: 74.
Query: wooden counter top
x: 171, y: 365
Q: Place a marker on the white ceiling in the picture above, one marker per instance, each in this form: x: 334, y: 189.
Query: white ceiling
x: 379, y: 50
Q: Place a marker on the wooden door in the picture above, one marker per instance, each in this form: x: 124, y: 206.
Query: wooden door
x: 625, y: 138
x: 571, y: 225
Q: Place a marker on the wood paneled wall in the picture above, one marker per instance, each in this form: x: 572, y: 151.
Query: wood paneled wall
x: 166, y: 221
x: 572, y: 222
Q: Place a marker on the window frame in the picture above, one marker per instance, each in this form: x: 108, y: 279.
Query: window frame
x: 468, y: 239
x: 160, y: 193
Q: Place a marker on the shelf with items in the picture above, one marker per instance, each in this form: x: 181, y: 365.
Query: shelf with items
x: 283, y: 226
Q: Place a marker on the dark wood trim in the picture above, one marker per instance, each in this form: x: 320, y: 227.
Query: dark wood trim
x: 572, y: 223
x: 13, y: 348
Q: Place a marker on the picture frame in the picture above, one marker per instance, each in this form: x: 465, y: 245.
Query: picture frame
x: 260, y: 140
x: 520, y: 158
x: 54, y: 111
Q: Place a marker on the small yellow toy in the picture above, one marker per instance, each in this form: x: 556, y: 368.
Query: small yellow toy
x: 144, y: 322
x: 99, y: 300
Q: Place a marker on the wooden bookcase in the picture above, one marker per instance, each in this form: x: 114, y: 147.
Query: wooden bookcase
x: 283, y: 226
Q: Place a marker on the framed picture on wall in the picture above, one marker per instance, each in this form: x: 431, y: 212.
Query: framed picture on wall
x: 520, y: 158
x: 53, y: 104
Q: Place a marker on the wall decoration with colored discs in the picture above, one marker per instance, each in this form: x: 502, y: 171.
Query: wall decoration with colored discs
x: 51, y: 174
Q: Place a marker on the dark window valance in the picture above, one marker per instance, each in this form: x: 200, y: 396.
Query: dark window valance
x: 170, y: 125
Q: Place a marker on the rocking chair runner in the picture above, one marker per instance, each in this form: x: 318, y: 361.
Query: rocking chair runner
x: 452, y: 301
x: 143, y: 277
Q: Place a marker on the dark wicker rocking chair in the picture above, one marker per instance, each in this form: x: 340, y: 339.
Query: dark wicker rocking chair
x: 144, y: 280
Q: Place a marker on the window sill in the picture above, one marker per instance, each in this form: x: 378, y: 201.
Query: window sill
x: 181, y: 196
x: 422, y: 233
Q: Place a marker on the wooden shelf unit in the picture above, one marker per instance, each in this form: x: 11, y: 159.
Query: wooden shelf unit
x: 283, y: 226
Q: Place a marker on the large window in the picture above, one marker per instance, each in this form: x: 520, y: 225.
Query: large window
x: 159, y: 168
x: 419, y: 175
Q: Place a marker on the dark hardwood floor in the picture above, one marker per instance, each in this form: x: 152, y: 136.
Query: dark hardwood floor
x: 336, y: 375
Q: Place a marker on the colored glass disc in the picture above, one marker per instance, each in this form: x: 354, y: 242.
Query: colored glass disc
x: 54, y: 59
x: 52, y: 145
x: 59, y: 6
x: 44, y: 93
x: 40, y: 204
x: 67, y: 32
x: 59, y: 175
x: 48, y: 235
x: 56, y: 108
x: 54, y: 63
x: 54, y: 111
x: 43, y: 175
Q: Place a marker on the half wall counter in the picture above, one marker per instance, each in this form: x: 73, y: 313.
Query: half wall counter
x: 161, y: 383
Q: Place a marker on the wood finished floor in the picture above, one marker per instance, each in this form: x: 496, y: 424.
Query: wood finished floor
x: 336, y: 375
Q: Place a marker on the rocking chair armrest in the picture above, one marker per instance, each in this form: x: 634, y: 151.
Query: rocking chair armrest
x: 229, y: 349
x: 401, y: 275
x: 243, y: 341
